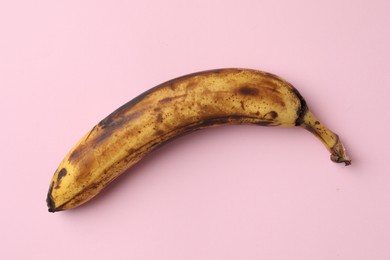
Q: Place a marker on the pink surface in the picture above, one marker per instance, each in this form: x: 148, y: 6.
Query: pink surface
x: 234, y: 192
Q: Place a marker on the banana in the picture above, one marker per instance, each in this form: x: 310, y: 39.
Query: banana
x: 172, y: 109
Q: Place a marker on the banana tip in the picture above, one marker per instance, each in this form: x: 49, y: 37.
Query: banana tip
x: 339, y: 154
x: 50, y: 203
x: 346, y: 161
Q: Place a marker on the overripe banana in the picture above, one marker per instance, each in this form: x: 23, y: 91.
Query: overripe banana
x: 174, y: 108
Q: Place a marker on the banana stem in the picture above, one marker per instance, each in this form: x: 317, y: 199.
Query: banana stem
x: 330, y: 139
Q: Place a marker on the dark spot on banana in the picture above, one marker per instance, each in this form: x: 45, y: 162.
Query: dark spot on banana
x: 248, y: 91
x: 192, y: 84
x: 302, y: 109
x: 165, y: 100
x: 49, y: 200
x: 265, y: 123
x: 159, y: 132
x: 271, y: 115
x: 169, y: 99
x: 242, y: 105
x: 129, y: 151
x: 160, y: 118
x: 60, y: 175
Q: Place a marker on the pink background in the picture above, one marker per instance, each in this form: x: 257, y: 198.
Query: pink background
x: 235, y: 192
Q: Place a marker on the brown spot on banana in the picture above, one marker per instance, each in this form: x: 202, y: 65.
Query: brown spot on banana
x: 160, y: 118
x: 268, y: 91
x: 170, y: 99
x: 60, y: 175
x: 49, y: 200
x: 271, y: 115
x: 248, y: 90
x: 173, y: 109
x: 242, y: 105
x: 267, y: 123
